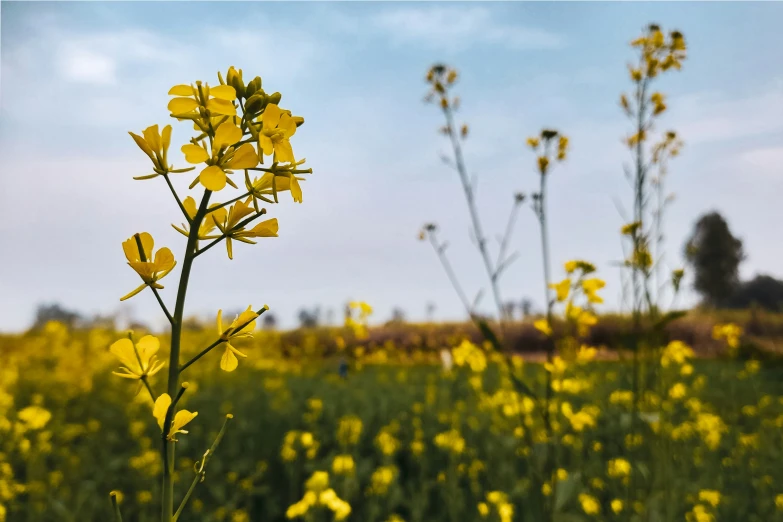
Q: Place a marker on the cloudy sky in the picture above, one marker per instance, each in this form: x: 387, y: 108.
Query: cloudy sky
x: 77, y: 76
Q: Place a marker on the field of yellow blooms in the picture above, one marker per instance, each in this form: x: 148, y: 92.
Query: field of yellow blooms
x: 389, y: 436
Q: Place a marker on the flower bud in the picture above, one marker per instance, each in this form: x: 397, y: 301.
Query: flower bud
x: 298, y: 120
x: 234, y: 79
x: 255, y: 102
x: 274, y: 97
x: 253, y: 87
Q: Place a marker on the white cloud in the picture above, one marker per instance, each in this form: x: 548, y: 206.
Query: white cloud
x: 87, y: 66
x: 460, y: 27
x: 714, y: 117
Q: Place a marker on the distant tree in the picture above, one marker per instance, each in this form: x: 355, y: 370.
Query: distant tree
x: 763, y: 291
x: 714, y: 254
x: 309, y: 318
x: 55, y: 312
x: 397, y: 316
x: 329, y: 319
x: 431, y: 311
x: 269, y: 321
x: 508, y: 309
x: 526, y: 307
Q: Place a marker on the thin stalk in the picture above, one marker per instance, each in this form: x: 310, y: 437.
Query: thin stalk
x: 115, y: 506
x: 167, y: 495
x: 201, y: 472
x: 450, y: 272
x: 176, y: 197
x: 209, y: 348
x: 474, y: 217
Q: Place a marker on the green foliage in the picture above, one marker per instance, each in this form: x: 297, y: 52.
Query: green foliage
x: 715, y: 255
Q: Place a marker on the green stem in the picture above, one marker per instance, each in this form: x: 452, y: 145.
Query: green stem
x: 116, y: 506
x: 167, y: 508
x: 162, y: 305
x: 209, y: 348
x: 481, y: 240
x: 201, y: 471
x: 176, y: 197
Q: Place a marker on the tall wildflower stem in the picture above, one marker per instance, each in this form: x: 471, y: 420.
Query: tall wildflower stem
x: 167, y: 493
x: 470, y: 197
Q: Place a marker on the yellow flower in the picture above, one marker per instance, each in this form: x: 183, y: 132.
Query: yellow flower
x: 155, y: 145
x: 343, y: 465
x: 483, y: 509
x: 181, y: 418
x: 207, y: 224
x: 562, y: 288
x: 317, y: 482
x: 150, y: 270
x: 589, y: 504
x: 271, y: 183
x: 228, y: 223
x: 225, y: 157
x: 236, y: 330
x: 779, y: 502
x: 34, y: 417
x: 277, y: 127
x: 216, y: 100
x: 542, y: 325
x: 590, y: 287
x: 617, y: 506
x: 138, y: 361
x: 710, y: 496
x: 617, y: 468
x: 678, y: 391
x: 533, y: 143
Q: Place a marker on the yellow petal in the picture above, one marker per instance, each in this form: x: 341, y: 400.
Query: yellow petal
x: 181, y: 90
x: 182, y: 105
x: 265, y: 145
x: 229, y: 361
x: 219, y: 216
x: 296, y: 190
x: 217, y: 106
x: 165, y: 137
x: 152, y: 136
x: 244, y: 158
x: 134, y: 292
x: 194, y: 153
x: 131, y: 248
x: 164, y: 260
x: 284, y: 152
x: 227, y: 134
x: 190, y: 206
x: 266, y: 228
x: 229, y: 248
x: 220, y: 322
x: 223, y: 92
x: 213, y: 178
x: 160, y: 408
x: 181, y: 419
x: 147, y: 347
x: 287, y: 125
x: 142, y: 145
x: 271, y: 117
x: 124, y: 351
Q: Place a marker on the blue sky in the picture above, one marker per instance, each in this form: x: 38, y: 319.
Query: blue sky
x: 77, y: 76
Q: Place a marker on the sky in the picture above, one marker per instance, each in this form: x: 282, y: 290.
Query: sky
x: 76, y: 77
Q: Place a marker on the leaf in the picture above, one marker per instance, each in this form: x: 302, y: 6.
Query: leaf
x: 669, y: 317
x: 567, y: 490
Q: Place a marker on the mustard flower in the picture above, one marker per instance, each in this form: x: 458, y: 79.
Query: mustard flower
x: 224, y: 157
x: 228, y: 221
x: 562, y: 288
x: 150, y: 269
x: 180, y: 419
x: 242, y: 326
x: 277, y: 127
x: 589, y: 504
x: 188, y: 98
x: 542, y: 325
x: 138, y: 361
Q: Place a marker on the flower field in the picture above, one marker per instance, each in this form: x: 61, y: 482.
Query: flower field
x: 399, y: 438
